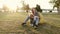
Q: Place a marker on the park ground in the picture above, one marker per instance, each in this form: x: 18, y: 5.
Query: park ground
x: 10, y: 23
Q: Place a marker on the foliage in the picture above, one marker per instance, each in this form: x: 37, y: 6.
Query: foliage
x: 56, y: 3
x: 25, y: 7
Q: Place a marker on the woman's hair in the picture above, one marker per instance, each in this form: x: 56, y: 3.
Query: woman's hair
x: 33, y: 10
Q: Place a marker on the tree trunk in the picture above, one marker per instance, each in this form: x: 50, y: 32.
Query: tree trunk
x: 58, y: 9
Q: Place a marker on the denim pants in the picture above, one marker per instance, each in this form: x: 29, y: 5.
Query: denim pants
x: 27, y: 18
x: 36, y: 20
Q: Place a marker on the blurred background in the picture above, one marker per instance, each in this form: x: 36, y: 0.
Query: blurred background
x: 13, y: 13
x: 17, y: 5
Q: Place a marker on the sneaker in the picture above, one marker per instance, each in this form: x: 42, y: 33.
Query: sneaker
x: 35, y: 26
x: 23, y: 23
x: 32, y: 25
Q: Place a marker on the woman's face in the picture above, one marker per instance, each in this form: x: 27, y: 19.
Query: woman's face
x: 34, y: 9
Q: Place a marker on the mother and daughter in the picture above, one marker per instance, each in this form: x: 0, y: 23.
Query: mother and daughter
x: 33, y: 16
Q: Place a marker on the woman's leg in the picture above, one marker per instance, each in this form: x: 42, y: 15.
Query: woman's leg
x: 36, y: 20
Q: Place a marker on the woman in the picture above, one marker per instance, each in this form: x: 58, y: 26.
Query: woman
x: 36, y: 18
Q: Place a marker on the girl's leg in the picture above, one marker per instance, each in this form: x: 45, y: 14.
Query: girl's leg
x: 27, y: 18
x: 31, y: 21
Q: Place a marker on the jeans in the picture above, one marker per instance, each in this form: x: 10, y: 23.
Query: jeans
x: 27, y: 18
x: 36, y: 20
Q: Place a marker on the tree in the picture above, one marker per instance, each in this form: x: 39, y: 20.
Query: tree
x: 25, y: 7
x: 56, y: 4
x: 5, y: 8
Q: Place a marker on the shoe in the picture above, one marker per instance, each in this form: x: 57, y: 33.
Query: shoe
x: 31, y: 25
x: 23, y: 23
x: 35, y: 26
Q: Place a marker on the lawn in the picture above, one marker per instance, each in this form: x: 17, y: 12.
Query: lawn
x: 10, y: 23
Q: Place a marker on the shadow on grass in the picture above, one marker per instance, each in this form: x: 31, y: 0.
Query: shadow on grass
x: 42, y: 29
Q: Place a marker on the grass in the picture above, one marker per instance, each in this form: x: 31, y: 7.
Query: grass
x: 53, y: 15
x: 10, y: 23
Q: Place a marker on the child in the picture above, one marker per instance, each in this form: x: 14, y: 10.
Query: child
x: 29, y: 16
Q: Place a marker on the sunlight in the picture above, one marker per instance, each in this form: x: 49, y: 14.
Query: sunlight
x: 12, y: 4
x: 43, y: 3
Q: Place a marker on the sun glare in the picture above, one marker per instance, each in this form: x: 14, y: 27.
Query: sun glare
x: 12, y: 4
